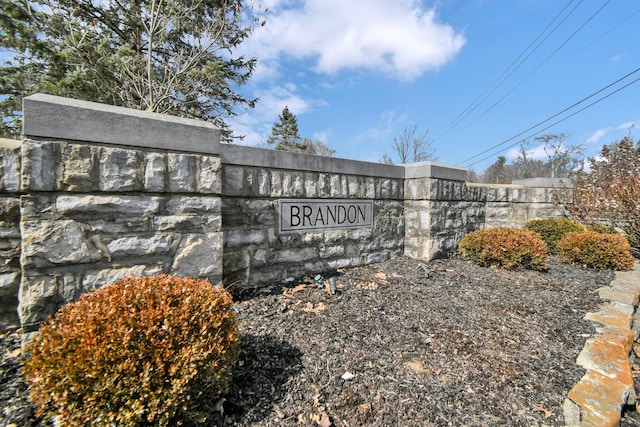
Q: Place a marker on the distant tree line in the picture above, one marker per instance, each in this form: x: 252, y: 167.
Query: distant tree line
x: 559, y: 161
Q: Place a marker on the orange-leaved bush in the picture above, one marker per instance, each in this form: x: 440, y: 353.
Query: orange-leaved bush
x: 504, y: 247
x: 596, y: 250
x: 141, y: 351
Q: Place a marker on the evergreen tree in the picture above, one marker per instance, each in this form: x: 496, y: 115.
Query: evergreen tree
x: 284, y: 133
x: 168, y: 56
x: 285, y: 136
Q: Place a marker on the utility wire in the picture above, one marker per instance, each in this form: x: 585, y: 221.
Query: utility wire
x: 538, y: 67
x: 553, y: 117
x: 495, y: 85
x: 605, y: 33
x: 557, y: 122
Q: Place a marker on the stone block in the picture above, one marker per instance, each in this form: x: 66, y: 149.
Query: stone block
x: 369, y: 188
x: 182, y: 172
x: 234, y: 238
x: 610, y: 359
x: 297, y: 184
x: 39, y: 297
x: 263, y: 182
x: 39, y: 166
x: 331, y: 251
x: 237, y: 261
x: 276, y: 183
x: 46, y: 243
x: 155, y: 172
x: 210, y: 175
x: 199, y: 255
x: 100, y: 205
x: 614, y: 315
x: 184, y: 223
x: 80, y: 167
x: 9, y: 284
x: 620, y: 295
x: 353, y: 186
x: 323, y: 185
x: 294, y: 255
x: 210, y: 205
x: 9, y: 212
x: 121, y: 169
x: 140, y: 246
x: 335, y: 186
x: 94, y: 279
x: 599, y: 398
x: 10, y: 164
x: 233, y: 181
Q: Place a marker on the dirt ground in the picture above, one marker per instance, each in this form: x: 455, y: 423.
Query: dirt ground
x: 401, y: 343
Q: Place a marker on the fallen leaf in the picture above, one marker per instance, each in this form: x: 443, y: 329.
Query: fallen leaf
x: 540, y: 408
x: 321, y: 419
x: 416, y: 366
x: 309, y: 308
x: 367, y: 285
x: 279, y: 413
x: 13, y: 354
x: 289, y: 292
x: 364, y: 408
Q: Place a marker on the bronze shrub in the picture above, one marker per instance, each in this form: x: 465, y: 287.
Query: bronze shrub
x: 141, y: 351
x: 504, y: 247
x: 596, y: 250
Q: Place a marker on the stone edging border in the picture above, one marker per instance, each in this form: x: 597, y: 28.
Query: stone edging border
x: 598, y: 398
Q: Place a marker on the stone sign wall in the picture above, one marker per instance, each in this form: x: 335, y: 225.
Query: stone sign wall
x: 95, y: 193
x: 259, y: 248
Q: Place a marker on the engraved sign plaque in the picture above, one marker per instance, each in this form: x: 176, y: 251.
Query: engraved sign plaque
x: 314, y: 214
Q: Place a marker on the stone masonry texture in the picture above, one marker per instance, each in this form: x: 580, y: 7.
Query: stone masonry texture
x: 607, y: 385
x: 80, y: 209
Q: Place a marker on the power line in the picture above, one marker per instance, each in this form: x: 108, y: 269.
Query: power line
x: 606, y: 32
x: 493, y: 87
x: 538, y: 67
x: 553, y: 117
x: 559, y: 121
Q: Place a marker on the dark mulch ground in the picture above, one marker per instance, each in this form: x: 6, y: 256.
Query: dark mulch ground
x: 465, y: 346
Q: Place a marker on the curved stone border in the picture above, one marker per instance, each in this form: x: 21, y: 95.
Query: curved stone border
x: 598, y: 398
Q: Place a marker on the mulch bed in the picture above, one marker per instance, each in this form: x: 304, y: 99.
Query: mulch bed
x: 465, y: 346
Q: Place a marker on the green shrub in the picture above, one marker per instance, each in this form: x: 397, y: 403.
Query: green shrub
x: 140, y: 351
x: 602, y: 229
x: 596, y: 250
x: 551, y: 230
x: 508, y: 248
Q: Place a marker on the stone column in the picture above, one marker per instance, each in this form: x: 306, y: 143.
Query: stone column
x: 9, y: 233
x: 437, y: 212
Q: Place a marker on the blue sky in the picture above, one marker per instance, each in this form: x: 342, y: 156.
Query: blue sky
x: 357, y: 73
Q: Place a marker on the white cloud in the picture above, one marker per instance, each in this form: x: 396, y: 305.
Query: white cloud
x: 399, y: 38
x: 256, y: 124
x: 386, y: 125
x: 629, y: 126
x: 322, y: 136
x: 536, y: 153
x: 597, y: 135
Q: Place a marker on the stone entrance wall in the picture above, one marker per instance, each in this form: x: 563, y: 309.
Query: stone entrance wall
x: 95, y: 193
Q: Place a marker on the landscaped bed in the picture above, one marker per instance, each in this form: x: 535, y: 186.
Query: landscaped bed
x: 465, y: 346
